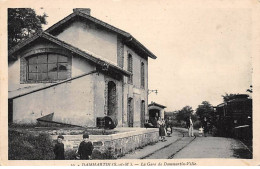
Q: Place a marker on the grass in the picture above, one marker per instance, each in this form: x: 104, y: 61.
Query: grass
x: 25, y: 146
x: 33, y: 142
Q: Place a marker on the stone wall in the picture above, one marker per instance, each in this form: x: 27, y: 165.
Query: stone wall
x: 127, y: 140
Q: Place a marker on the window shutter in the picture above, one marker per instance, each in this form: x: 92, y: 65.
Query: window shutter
x: 130, y: 68
x: 142, y: 75
x: 23, y: 67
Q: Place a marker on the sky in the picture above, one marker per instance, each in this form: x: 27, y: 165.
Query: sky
x: 202, y: 52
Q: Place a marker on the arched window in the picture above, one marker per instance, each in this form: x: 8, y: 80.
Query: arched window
x: 142, y: 75
x: 47, y: 68
x: 130, y: 67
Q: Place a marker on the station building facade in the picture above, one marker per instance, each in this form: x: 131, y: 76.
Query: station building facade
x: 78, y: 71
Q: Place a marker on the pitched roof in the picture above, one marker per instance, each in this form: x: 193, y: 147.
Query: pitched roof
x: 156, y: 104
x: 92, y: 57
x: 130, y: 39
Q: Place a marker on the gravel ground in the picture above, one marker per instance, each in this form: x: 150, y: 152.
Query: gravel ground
x: 214, y: 147
x: 151, y: 149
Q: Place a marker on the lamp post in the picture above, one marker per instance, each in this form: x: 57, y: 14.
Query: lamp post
x: 155, y: 91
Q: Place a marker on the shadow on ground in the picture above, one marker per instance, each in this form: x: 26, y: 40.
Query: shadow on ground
x: 242, y: 153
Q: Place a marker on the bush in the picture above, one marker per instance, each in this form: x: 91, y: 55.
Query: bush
x: 70, y: 155
x: 196, y: 124
x: 181, y: 124
x: 103, y: 153
x: 25, y: 146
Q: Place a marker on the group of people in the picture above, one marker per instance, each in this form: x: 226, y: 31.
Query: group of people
x: 84, y: 150
x: 204, y: 128
x: 164, y: 128
x: 86, y: 147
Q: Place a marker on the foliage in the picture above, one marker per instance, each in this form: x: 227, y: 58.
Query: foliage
x: 103, y: 153
x: 25, y: 146
x: 228, y: 97
x: 170, y: 115
x: 204, y: 110
x: 196, y: 124
x: 184, y: 113
x: 178, y: 118
x: 181, y: 124
x: 100, y: 153
x: 70, y: 154
x: 23, y: 23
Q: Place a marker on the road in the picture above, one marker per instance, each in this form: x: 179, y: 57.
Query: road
x: 201, y: 147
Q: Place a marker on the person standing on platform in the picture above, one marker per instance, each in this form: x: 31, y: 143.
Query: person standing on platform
x: 205, y: 126
x: 161, y: 126
x: 189, y: 125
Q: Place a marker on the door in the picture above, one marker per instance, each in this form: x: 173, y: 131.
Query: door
x: 142, y: 113
x: 10, y: 111
x: 130, y: 113
x: 112, y: 101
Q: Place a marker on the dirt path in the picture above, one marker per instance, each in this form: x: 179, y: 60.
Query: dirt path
x: 179, y: 145
x: 214, y: 147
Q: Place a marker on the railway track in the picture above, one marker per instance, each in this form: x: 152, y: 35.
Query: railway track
x: 170, y: 150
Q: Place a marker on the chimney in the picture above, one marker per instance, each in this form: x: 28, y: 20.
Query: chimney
x: 82, y: 10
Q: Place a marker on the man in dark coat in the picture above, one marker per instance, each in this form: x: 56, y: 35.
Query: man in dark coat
x: 205, y: 126
x: 59, y: 149
x: 188, y: 123
x: 85, y: 148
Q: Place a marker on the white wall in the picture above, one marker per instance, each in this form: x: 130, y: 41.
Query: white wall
x: 99, y: 95
x: 14, y: 75
x: 134, y: 90
x: 87, y: 37
x: 71, y: 103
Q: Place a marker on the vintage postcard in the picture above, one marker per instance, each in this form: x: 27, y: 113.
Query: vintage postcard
x: 129, y: 83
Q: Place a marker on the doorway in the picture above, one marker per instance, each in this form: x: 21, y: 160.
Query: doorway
x: 130, y: 112
x: 142, y: 113
x: 111, y: 100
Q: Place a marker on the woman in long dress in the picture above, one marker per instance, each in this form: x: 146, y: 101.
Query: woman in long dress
x: 161, y: 125
x: 164, y: 129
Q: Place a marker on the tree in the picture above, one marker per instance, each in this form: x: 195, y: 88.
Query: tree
x: 204, y: 110
x: 23, y: 23
x: 228, y: 97
x: 170, y: 115
x: 184, y: 113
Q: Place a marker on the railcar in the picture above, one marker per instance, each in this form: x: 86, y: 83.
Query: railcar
x: 233, y: 118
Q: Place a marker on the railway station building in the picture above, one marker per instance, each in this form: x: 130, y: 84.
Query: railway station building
x: 77, y: 72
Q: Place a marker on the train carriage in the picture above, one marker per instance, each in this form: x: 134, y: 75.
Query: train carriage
x: 234, y: 117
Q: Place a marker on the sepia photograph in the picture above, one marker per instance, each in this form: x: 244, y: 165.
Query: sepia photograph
x: 129, y: 83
